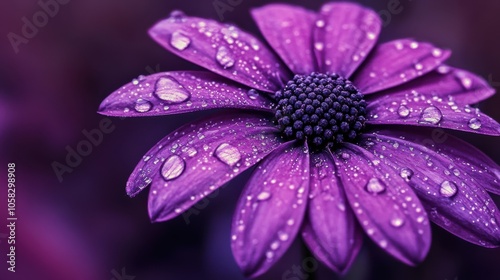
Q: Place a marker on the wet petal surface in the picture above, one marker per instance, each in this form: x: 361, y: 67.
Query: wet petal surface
x: 450, y: 188
x: 331, y: 231
x: 397, y: 62
x: 223, y: 49
x: 171, y: 93
x: 270, y: 209
x: 448, y: 83
x: 344, y: 35
x: 386, y: 207
x: 198, y: 158
x: 288, y: 29
x: 422, y: 109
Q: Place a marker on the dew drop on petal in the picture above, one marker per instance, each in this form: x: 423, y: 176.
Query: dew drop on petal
x: 172, y: 167
x: 406, y: 174
x: 319, y: 46
x: 283, y: 236
x: 475, y: 123
x: 431, y: 115
x: 168, y: 89
x: 252, y: 94
x: 224, y: 57
x: 142, y: 105
x: 375, y: 186
x: 403, y: 111
x: 437, y: 52
x: 263, y: 196
x: 320, y: 23
x: 448, y: 189
x: 228, y: 154
x: 179, y: 41
x: 397, y: 222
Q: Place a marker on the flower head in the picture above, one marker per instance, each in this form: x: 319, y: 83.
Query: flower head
x: 346, y: 135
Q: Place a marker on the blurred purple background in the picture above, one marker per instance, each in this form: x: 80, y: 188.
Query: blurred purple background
x: 85, y: 227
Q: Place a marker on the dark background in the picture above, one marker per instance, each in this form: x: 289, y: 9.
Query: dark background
x: 85, y: 227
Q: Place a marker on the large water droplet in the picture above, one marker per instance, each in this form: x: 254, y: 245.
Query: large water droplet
x: 475, y: 123
x: 228, y: 154
x: 406, y: 174
x: 448, y: 189
x: 403, y: 111
x: 173, y: 167
x: 375, y: 186
x: 168, y: 89
x: 179, y: 41
x: 224, y: 57
x: 263, y: 196
x: 252, y: 94
x: 142, y: 105
x: 431, y: 115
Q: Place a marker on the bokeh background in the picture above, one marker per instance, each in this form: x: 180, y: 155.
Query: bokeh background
x: 85, y: 227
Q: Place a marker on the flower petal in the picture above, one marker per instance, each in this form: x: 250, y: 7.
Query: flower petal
x: 331, y: 230
x: 288, y: 29
x: 449, y: 83
x: 386, y: 207
x: 397, y: 62
x: 171, y: 93
x: 270, y: 209
x: 198, y: 158
x: 344, y: 35
x: 450, y: 190
x: 223, y: 49
x: 422, y: 109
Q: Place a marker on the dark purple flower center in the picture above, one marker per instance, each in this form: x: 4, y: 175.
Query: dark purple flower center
x: 323, y: 109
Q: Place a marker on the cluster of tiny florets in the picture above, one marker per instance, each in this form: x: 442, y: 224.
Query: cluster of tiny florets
x: 324, y: 109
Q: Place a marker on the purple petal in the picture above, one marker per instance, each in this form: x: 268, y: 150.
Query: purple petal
x: 449, y: 83
x: 198, y: 158
x: 288, y: 29
x: 223, y: 49
x: 397, y: 62
x: 171, y: 93
x: 386, y: 207
x: 270, y: 209
x: 450, y: 191
x: 344, y: 35
x: 331, y: 231
x: 421, y: 109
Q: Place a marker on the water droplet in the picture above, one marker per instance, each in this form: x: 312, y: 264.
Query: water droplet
x: 177, y: 16
x: 224, y: 57
x: 371, y: 35
x: 475, y: 123
x: 437, y: 52
x: 419, y: 66
x: 319, y: 46
x: 168, y: 89
x: 283, y: 236
x: 448, y: 189
x: 320, y: 23
x: 397, y: 222
x: 173, y: 167
x: 431, y: 115
x: 263, y: 196
x: 403, y: 111
x: 142, y: 105
x: 414, y: 45
x: 228, y: 154
x: 406, y: 174
x: 252, y: 94
x: 179, y: 41
x: 383, y: 243
x: 275, y: 245
x: 375, y: 186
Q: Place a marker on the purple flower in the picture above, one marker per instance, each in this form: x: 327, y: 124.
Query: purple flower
x: 346, y: 135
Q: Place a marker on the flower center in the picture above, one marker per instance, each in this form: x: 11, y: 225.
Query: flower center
x: 323, y: 109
